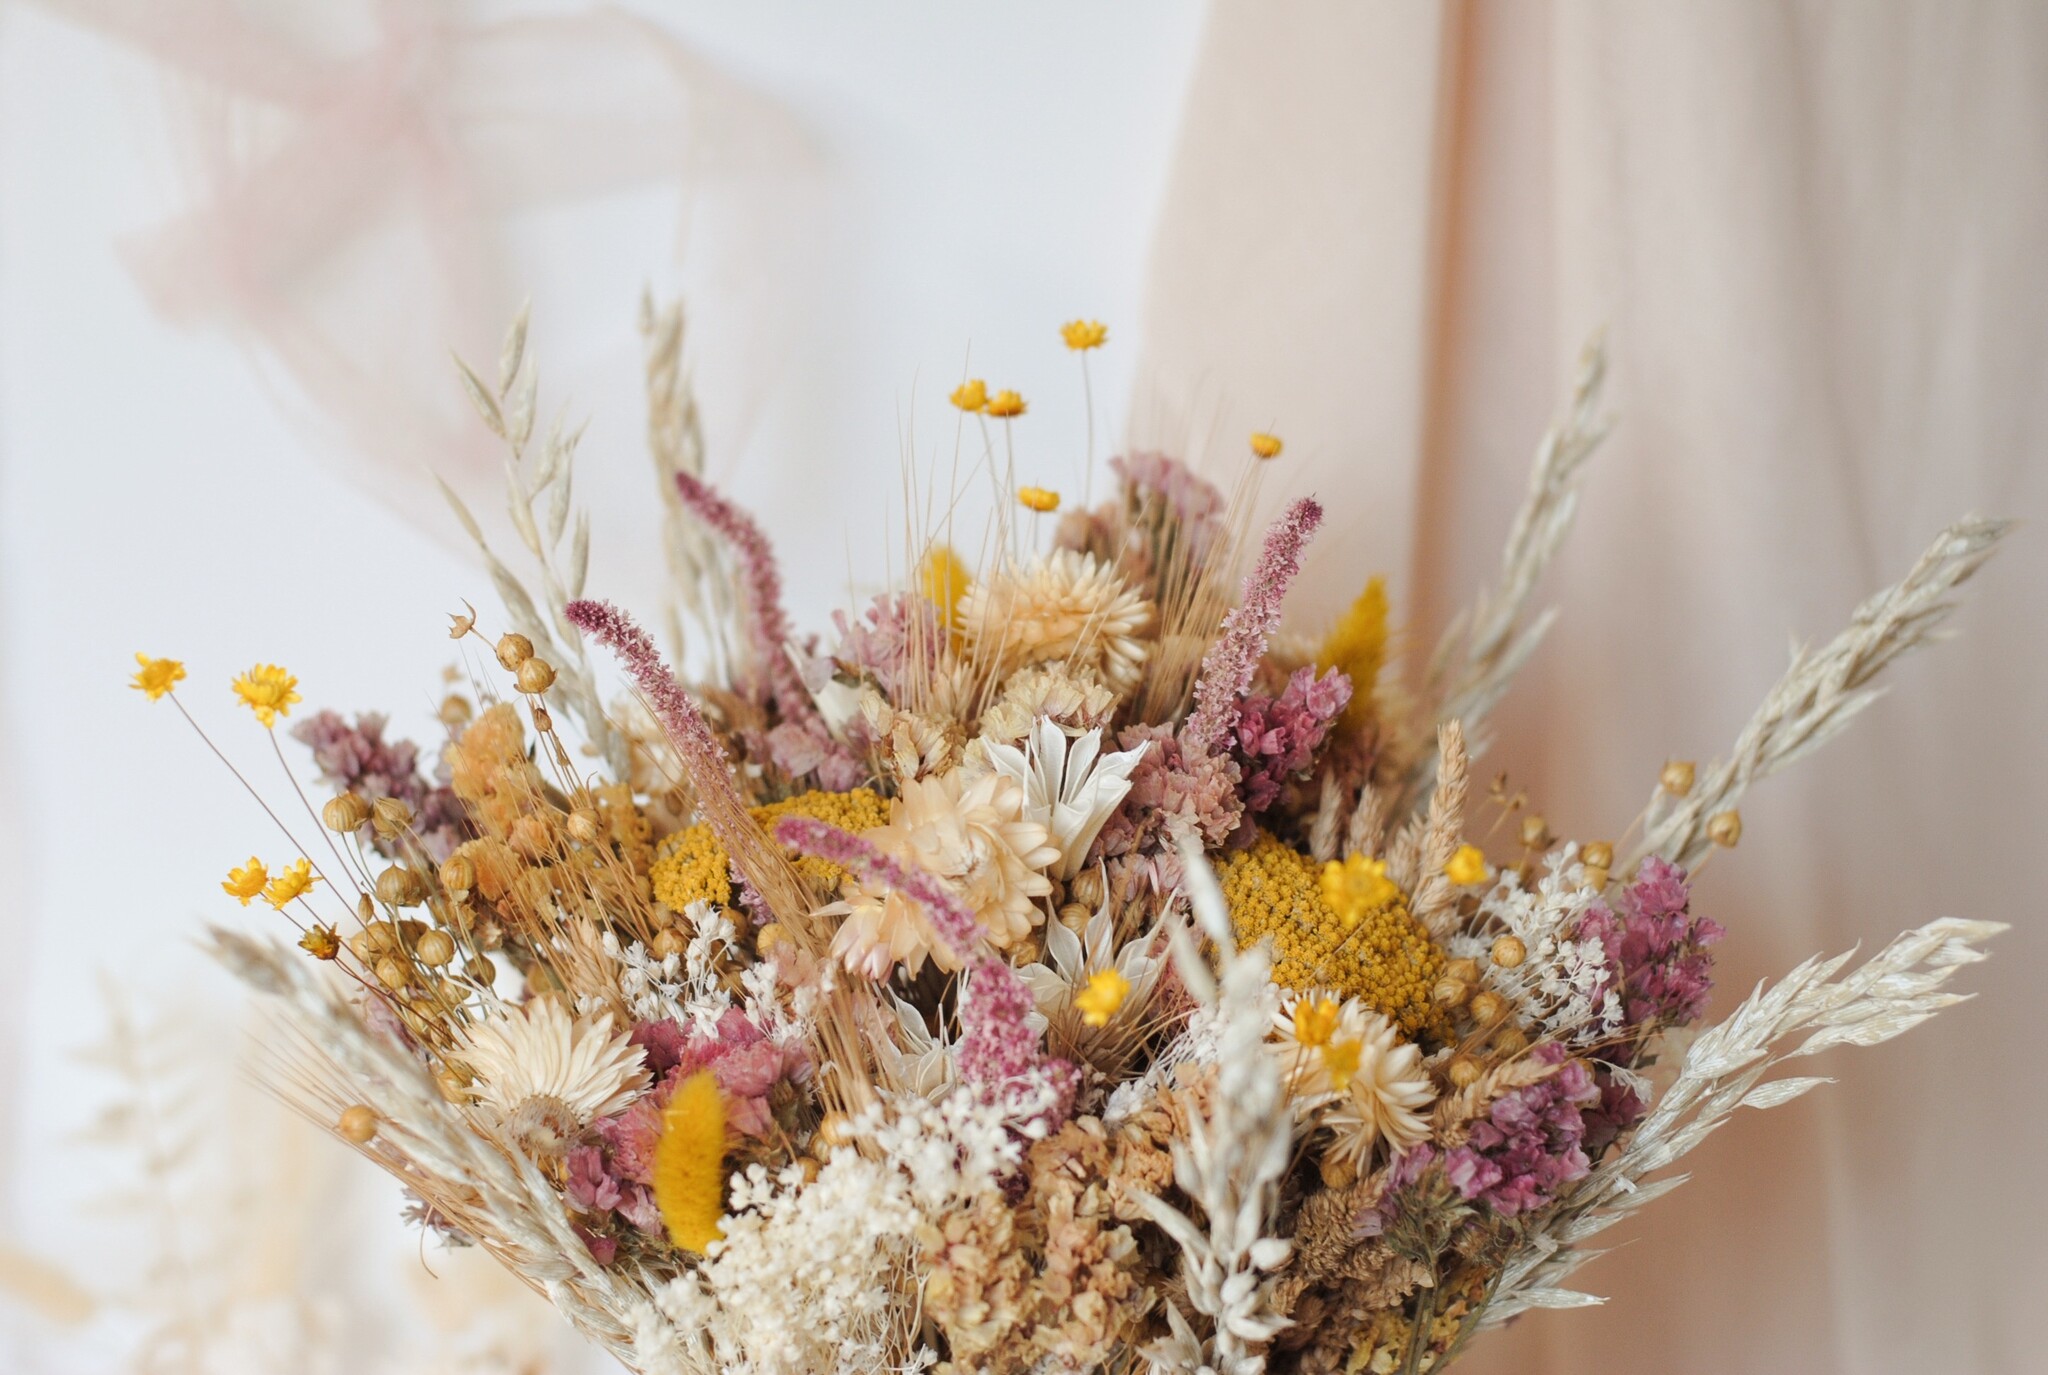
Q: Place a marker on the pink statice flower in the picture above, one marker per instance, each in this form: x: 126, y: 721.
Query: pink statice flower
x: 999, y: 1051
x: 1658, y: 950
x: 1276, y: 738
x: 896, y: 639
x: 1531, y: 1143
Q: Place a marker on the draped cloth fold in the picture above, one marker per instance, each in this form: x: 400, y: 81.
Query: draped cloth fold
x: 1813, y: 234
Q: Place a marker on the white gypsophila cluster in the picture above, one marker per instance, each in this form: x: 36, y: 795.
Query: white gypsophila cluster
x: 1564, y: 987
x: 815, y: 1276
x: 686, y: 987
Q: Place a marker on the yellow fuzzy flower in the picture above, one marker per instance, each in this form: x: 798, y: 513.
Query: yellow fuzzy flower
x: 971, y: 396
x: 1315, y: 1020
x: 1340, y: 1062
x: 1358, y: 885
x: 1467, y: 866
x: 246, y: 882
x: 1039, y: 498
x: 693, y: 867
x: 269, y: 691
x: 1266, y: 445
x: 1104, y: 994
x: 293, y: 881
x: 944, y: 580
x: 1358, y: 647
x: 157, y: 676
x: 689, y: 1163
x: 1005, y: 404
x: 1084, y: 334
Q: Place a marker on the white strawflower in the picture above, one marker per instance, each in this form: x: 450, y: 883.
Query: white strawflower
x: 1352, y: 1061
x: 1067, y: 608
x: 549, y: 1075
x: 1071, y: 787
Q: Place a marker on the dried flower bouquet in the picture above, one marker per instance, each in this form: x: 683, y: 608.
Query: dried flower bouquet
x: 1055, y: 969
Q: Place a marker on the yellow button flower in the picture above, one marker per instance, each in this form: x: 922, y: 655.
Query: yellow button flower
x: 1084, y: 334
x: 269, y: 691
x: 1006, y: 404
x: 971, y: 396
x: 1340, y: 1061
x: 1315, y: 1019
x: 292, y: 882
x: 1467, y: 866
x: 1356, y: 886
x: 944, y: 581
x: 1266, y: 445
x: 1104, y: 994
x: 1039, y: 498
x: 246, y: 882
x: 157, y: 676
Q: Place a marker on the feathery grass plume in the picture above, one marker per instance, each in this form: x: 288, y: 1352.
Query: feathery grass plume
x: 1442, y: 832
x: 770, y: 877
x: 1823, y: 690
x: 697, y: 567
x: 1484, y: 647
x: 1228, y: 667
x: 689, y: 1178
x: 1357, y: 645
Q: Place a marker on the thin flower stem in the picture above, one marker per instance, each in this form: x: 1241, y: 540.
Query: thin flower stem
x: 318, y: 825
x: 246, y: 785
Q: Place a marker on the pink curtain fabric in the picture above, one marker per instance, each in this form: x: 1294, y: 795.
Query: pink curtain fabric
x: 1813, y: 235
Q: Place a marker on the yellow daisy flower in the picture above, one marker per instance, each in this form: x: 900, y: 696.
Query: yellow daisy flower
x: 1104, y: 994
x: 971, y: 395
x: 269, y: 691
x: 157, y: 676
x: 1039, y: 498
x: 293, y: 881
x: 246, y: 882
x: 1006, y: 404
x: 1467, y: 866
x: 1084, y: 334
x: 1266, y: 445
x: 1315, y: 1020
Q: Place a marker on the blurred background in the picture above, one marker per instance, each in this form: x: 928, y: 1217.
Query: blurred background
x: 238, y: 242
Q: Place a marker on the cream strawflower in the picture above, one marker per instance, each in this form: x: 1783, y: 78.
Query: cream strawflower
x: 1370, y: 1082
x: 549, y: 1076
x: 971, y: 833
x: 1070, y: 786
x: 1067, y: 608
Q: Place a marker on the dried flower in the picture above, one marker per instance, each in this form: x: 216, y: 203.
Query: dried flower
x: 291, y: 883
x: 971, y: 396
x: 1265, y: 445
x: 688, y: 1178
x: 1066, y: 608
x: 269, y: 691
x: 320, y: 942
x: 1079, y: 335
x: 1104, y: 994
x: 246, y: 882
x: 1038, y: 498
x: 1467, y: 866
x: 156, y: 676
x: 538, y: 1057
x: 1228, y: 666
x: 1357, y: 647
x: 1276, y: 739
x: 1005, y: 405
x: 1070, y: 787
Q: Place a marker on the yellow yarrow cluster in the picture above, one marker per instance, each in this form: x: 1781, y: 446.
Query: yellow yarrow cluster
x: 692, y: 866
x: 1382, y: 954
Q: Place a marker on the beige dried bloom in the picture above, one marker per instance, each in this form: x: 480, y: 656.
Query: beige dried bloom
x: 1074, y: 702
x: 1370, y: 1081
x: 1067, y: 608
x: 971, y: 833
x: 548, y: 1075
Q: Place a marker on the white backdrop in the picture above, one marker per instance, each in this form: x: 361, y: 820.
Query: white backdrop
x: 961, y: 183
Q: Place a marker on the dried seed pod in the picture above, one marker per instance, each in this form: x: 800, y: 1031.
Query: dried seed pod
x: 1677, y: 777
x: 1463, y: 1071
x: 391, y: 817
x: 768, y: 937
x: 481, y: 971
x: 435, y: 949
x: 1450, y: 992
x: 1074, y: 916
x: 535, y: 676
x: 366, y: 908
x: 1337, y: 1172
x: 1488, y: 1007
x: 1509, y: 952
x: 1510, y: 1040
x: 456, y: 711
x: 1597, y: 853
x: 835, y: 1130
x: 344, y: 813
x: 1086, y: 888
x: 543, y: 719
x: 1535, y: 831
x: 583, y: 826
x: 357, y: 1124
x: 1596, y: 876
x: 513, y: 650
x: 399, y: 886
x: 1725, y: 828
x: 668, y: 941
x: 363, y: 946
x: 1464, y: 969
x: 393, y: 972
x: 458, y: 873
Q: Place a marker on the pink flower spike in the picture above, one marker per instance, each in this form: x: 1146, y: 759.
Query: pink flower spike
x: 952, y: 922
x: 1228, y: 667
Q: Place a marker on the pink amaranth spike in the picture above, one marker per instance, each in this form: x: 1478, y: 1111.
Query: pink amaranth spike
x: 1228, y: 667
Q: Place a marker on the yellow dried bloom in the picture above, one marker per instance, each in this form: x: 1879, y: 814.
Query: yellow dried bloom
x: 944, y: 580
x: 692, y: 866
x: 689, y: 1161
x: 1382, y: 956
x: 246, y: 882
x: 1039, y: 498
x: 1340, y: 1062
x: 1005, y: 404
x: 1315, y: 1020
x: 1084, y: 334
x: 1357, y: 885
x: 1104, y: 994
x: 1467, y: 866
x: 269, y: 691
x: 1265, y: 445
x: 321, y: 943
x: 971, y: 396
x: 157, y: 676
x: 293, y: 881
x: 1358, y: 646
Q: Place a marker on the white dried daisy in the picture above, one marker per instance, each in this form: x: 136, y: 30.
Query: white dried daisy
x: 1070, y: 786
x: 548, y: 1075
x: 973, y: 834
x: 1351, y: 1062
x: 1068, y: 608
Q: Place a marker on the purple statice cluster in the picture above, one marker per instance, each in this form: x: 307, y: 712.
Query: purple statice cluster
x: 896, y: 640
x: 1276, y: 738
x: 1172, y: 790
x: 1659, y: 951
x: 1231, y: 664
x: 359, y: 758
x: 1530, y: 1145
x: 612, y: 1173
